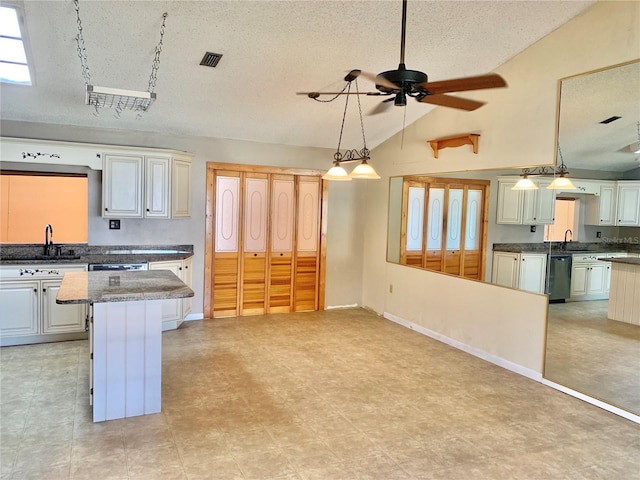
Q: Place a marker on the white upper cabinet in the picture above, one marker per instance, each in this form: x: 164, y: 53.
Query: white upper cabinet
x: 628, y: 204
x: 600, y: 208
x: 150, y: 186
x: 509, y: 203
x: 181, y: 188
x: 157, y: 181
x: 525, y: 207
x: 122, y: 186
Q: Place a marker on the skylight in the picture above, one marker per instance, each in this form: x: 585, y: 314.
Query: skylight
x: 14, y: 67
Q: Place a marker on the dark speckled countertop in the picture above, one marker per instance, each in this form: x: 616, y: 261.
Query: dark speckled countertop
x: 569, y: 248
x: 29, y: 254
x: 97, y: 287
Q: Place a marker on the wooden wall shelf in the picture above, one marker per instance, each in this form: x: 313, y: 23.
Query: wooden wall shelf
x: 455, y: 141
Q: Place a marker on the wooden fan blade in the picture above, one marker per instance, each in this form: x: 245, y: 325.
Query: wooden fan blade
x: 379, y: 80
x: 453, y: 102
x: 381, y: 107
x: 492, y: 80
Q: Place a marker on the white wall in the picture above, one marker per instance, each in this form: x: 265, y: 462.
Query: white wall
x: 345, y: 226
x: 518, y: 129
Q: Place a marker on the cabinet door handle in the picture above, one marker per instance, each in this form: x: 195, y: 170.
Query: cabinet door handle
x: 148, y: 210
x: 44, y: 290
x: 106, y: 209
x: 35, y: 290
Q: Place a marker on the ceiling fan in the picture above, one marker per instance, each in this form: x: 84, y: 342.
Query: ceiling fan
x: 403, y: 83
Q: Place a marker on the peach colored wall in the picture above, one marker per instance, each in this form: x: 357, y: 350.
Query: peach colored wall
x: 31, y: 202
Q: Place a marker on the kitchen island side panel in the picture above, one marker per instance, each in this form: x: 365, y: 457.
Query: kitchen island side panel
x: 127, y: 359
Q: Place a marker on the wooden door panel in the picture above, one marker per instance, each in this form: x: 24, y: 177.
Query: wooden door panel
x: 227, y: 213
x: 225, y: 285
x: 306, y: 265
x: 306, y: 283
x: 280, y: 288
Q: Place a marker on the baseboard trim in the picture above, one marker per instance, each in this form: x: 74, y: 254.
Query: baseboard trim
x: 334, y: 307
x: 194, y: 316
x: 476, y: 352
x: 514, y: 367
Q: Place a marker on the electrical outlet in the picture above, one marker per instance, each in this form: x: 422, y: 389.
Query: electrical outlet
x: 114, y: 224
x: 532, y: 229
x: 598, y: 234
x: 390, y: 288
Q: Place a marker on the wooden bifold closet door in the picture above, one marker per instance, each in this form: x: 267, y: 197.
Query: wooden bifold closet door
x: 264, y: 240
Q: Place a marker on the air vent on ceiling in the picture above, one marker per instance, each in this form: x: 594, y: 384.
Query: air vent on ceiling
x: 211, y: 59
x: 610, y: 119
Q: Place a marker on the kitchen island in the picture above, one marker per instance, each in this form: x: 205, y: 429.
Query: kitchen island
x: 624, y: 297
x: 125, y: 336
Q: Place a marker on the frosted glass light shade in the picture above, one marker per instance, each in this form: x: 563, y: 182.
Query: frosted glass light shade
x: 561, y: 183
x: 366, y: 171
x: 524, y: 184
x: 337, y: 173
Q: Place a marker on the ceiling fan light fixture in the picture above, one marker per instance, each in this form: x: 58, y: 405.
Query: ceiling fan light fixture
x: 338, y: 173
x: 365, y: 171
x: 401, y: 99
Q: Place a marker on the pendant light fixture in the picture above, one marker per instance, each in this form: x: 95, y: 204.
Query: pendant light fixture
x: 561, y: 182
x: 364, y: 170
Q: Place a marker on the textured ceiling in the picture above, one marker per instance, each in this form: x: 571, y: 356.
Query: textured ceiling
x: 589, y: 99
x: 271, y: 49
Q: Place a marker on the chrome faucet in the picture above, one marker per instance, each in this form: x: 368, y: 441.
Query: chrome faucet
x: 567, y: 232
x: 48, y: 239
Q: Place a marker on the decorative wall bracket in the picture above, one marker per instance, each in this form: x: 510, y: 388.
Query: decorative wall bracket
x: 455, y: 141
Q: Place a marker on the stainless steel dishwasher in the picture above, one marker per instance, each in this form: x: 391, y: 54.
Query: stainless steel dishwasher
x: 559, y: 278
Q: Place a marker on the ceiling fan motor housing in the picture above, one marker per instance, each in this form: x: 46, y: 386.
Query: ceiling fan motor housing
x: 406, y: 79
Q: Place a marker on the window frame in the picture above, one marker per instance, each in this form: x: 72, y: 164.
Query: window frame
x: 24, y: 38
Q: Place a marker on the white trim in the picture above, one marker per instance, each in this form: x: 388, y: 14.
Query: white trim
x: 514, y: 367
x: 333, y: 307
x: 476, y: 352
x: 194, y: 316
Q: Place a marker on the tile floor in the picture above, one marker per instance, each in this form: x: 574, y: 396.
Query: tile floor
x: 591, y: 354
x: 342, y: 394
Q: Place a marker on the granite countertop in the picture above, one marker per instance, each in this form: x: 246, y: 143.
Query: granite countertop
x: 569, y: 248
x: 625, y: 260
x: 82, y: 253
x: 130, y: 285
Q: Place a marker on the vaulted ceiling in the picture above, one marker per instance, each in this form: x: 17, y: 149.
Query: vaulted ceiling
x: 271, y: 50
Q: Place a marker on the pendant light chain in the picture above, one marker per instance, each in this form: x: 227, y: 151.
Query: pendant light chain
x: 365, y: 151
x: 338, y: 156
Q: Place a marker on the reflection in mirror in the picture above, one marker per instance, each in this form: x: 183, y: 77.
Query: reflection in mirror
x: 440, y: 224
x: 586, y: 350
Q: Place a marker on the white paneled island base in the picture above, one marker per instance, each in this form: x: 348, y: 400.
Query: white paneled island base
x: 126, y: 359
x: 624, y: 296
x: 125, y: 336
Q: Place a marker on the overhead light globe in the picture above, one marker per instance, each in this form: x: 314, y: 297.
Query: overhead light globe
x: 561, y: 183
x: 365, y: 171
x: 524, y: 183
x: 337, y: 173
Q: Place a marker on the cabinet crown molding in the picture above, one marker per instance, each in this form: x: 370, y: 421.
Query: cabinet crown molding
x: 27, y: 150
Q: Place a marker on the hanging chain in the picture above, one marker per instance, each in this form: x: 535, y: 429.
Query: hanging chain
x: 82, y: 52
x: 338, y: 156
x: 156, y: 60
x: 348, y: 84
x: 365, y: 151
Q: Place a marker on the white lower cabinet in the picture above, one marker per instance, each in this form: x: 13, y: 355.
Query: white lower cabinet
x: 30, y: 313
x: 525, y: 271
x: 591, y: 278
x: 174, y: 310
